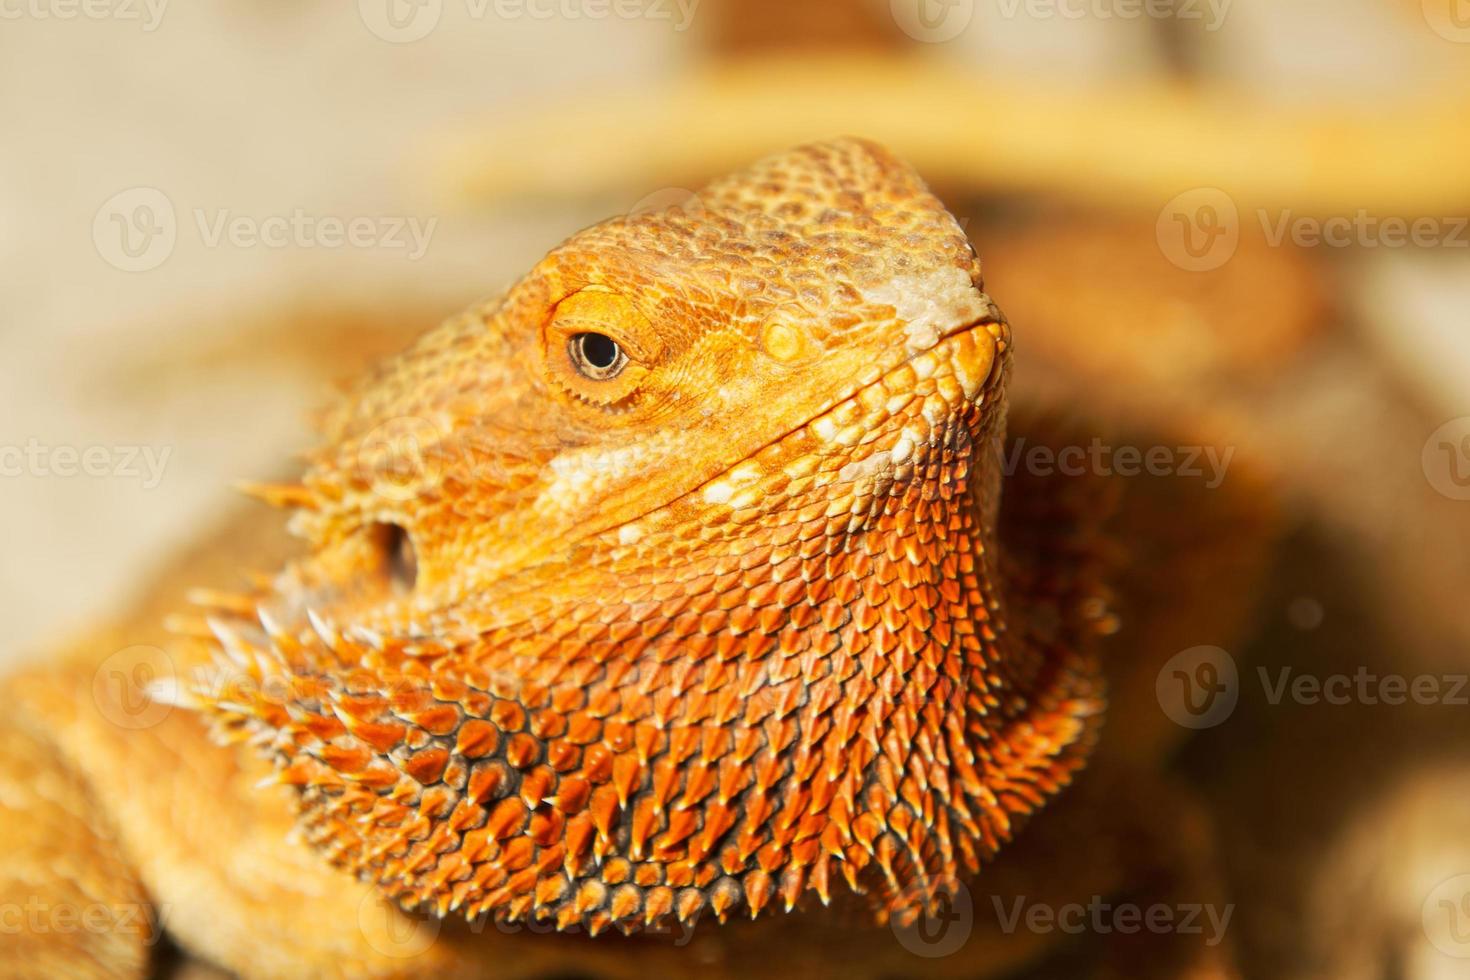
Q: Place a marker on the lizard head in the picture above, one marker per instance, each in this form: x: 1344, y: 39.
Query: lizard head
x: 707, y: 347
x: 666, y: 582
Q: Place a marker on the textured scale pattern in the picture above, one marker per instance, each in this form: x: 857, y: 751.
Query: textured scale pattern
x: 718, y: 636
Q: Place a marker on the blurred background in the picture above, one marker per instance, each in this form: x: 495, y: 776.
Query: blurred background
x: 1238, y: 224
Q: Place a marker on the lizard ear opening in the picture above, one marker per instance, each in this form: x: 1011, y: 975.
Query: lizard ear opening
x: 399, y: 558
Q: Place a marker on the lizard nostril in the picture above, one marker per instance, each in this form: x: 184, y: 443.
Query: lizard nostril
x: 400, y: 560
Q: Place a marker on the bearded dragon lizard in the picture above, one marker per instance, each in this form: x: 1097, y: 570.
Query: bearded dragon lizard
x: 674, y: 586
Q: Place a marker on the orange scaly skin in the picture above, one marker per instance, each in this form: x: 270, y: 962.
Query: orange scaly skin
x: 713, y: 633
x: 725, y: 631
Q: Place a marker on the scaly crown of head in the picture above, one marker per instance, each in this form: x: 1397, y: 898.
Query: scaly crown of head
x: 667, y: 582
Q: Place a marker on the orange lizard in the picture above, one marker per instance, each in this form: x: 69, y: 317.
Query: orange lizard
x: 673, y: 587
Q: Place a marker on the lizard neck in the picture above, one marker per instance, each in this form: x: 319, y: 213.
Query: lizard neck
x: 832, y: 695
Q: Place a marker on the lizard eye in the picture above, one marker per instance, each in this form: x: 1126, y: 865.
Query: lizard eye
x: 596, y: 356
x: 599, y: 347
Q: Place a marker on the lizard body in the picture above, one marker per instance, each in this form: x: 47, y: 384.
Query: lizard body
x: 671, y: 583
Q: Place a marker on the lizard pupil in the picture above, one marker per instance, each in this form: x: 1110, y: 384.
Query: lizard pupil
x: 596, y: 356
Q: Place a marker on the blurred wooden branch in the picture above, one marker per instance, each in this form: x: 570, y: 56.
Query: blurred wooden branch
x: 969, y: 131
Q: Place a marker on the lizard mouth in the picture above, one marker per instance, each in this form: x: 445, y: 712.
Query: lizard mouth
x: 876, y: 432
x: 957, y: 367
x: 917, y: 399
